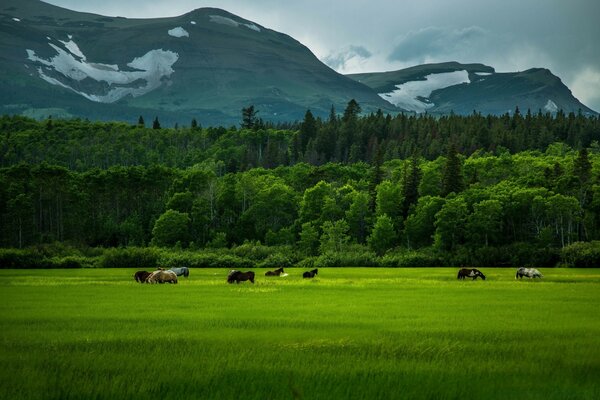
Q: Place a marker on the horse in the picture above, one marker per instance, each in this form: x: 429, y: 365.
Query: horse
x: 141, y: 276
x: 277, y: 272
x: 162, y: 276
x: 471, y: 273
x: 239, y: 276
x: 181, y: 271
x: 529, y: 273
x: 310, y: 274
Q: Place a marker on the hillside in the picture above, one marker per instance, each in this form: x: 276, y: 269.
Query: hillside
x: 462, y: 88
x: 206, y: 64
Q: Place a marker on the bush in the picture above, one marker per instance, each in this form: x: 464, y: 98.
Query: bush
x: 581, y: 255
x: 276, y: 261
x: 412, y: 259
x: 347, y: 259
x: 204, y: 260
x: 20, y: 259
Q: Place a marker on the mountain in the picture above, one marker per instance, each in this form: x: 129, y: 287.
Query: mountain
x: 461, y: 88
x: 206, y: 64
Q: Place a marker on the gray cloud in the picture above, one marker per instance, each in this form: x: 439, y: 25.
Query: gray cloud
x: 433, y: 42
x: 339, y: 60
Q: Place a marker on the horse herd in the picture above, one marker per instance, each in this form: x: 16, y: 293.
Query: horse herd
x: 521, y: 272
x: 170, y: 276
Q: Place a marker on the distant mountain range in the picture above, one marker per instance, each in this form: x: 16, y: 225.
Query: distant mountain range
x: 208, y: 64
x: 464, y: 88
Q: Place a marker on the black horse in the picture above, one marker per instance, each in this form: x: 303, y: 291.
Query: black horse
x: 471, y: 273
x: 310, y: 274
x: 239, y: 276
x: 277, y: 272
x: 141, y: 276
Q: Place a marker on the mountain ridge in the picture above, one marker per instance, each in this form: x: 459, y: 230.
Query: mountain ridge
x: 206, y: 64
x: 442, y: 88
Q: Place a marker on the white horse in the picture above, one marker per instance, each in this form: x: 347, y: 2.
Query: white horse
x: 528, y: 272
x: 181, y: 271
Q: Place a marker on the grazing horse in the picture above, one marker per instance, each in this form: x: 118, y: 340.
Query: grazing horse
x: 310, y: 274
x: 529, y: 273
x: 277, y: 272
x: 162, y: 276
x: 471, y: 273
x: 141, y: 276
x: 239, y: 276
x: 181, y: 271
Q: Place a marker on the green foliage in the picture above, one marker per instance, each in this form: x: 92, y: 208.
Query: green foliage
x: 334, y: 237
x: 131, y: 257
x: 170, y: 228
x: 581, y: 255
x: 383, y: 236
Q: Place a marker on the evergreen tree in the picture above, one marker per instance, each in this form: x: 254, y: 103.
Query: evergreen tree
x: 452, y: 178
x: 155, y: 123
x: 582, y: 167
x: 308, y: 130
x: 194, y: 123
x: 249, y: 119
x: 376, y: 178
x: 141, y: 122
x: 410, y: 186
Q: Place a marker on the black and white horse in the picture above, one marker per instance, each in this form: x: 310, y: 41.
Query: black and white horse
x: 310, y: 274
x: 529, y: 273
x: 239, y: 276
x: 470, y: 273
x: 181, y: 271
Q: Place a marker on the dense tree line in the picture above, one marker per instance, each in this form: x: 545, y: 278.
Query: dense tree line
x: 347, y: 138
x: 470, y: 189
x: 543, y: 200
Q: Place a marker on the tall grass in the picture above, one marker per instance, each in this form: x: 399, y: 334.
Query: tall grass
x: 350, y: 333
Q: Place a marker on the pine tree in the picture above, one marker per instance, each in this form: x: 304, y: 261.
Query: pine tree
x: 155, y: 123
x: 141, y: 122
x: 194, y: 123
x: 308, y: 130
x: 452, y: 179
x: 410, y: 186
x: 376, y: 178
x: 582, y: 167
x: 249, y: 119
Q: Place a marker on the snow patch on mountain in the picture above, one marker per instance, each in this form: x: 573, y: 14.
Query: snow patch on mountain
x: 193, y: 22
x: 178, y: 32
x: 413, y: 95
x: 219, y: 19
x: 68, y: 68
x: 483, y: 73
x: 16, y: 19
x: 551, y: 106
x: 73, y: 48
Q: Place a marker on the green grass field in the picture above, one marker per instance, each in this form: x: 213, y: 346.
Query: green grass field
x: 349, y: 334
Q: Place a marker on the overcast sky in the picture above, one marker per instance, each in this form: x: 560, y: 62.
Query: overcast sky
x: 381, y: 35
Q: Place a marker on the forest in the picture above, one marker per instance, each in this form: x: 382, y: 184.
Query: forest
x: 353, y: 190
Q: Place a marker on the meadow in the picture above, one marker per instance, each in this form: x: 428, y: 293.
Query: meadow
x: 351, y: 333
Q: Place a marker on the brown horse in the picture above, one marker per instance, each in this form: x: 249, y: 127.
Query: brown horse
x: 162, y: 276
x: 239, y: 276
x: 471, y: 273
x: 141, y: 276
x: 277, y: 272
